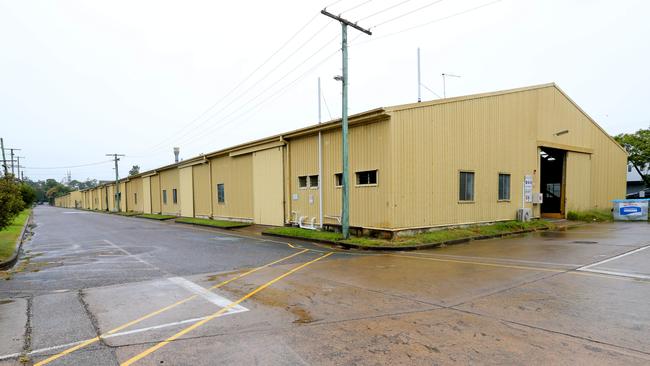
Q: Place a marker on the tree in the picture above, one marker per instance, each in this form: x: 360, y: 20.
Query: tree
x: 637, y: 146
x: 28, y: 194
x: 11, y: 202
x: 135, y: 170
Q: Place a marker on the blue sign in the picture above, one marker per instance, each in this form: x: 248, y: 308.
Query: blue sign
x: 629, y: 210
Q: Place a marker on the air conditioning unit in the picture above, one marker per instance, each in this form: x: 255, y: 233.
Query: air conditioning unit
x: 524, y: 214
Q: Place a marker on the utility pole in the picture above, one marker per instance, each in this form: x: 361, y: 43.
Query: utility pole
x: 18, y: 163
x: 320, y: 162
x: 345, y: 212
x: 116, y: 202
x: 12, y: 159
x: 4, y: 160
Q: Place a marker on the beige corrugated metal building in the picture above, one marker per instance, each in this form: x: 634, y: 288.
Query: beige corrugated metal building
x: 445, y: 162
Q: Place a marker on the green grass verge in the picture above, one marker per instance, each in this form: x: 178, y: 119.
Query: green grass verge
x: 305, y: 233
x: 10, y: 234
x: 590, y: 215
x: 128, y: 213
x: 215, y: 223
x: 156, y: 216
x: 432, y: 237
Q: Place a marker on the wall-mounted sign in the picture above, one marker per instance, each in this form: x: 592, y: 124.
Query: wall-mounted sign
x: 528, y: 188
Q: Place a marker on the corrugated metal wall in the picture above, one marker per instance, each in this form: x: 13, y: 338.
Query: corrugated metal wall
x: 146, y: 195
x: 156, y: 194
x: 202, y: 191
x: 186, y: 191
x: 236, y: 173
x: 369, y: 150
x: 267, y: 187
x: 169, y: 181
x: 134, y: 187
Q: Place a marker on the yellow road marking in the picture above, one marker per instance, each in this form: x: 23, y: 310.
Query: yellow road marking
x: 216, y: 314
x: 159, y: 311
x: 527, y: 268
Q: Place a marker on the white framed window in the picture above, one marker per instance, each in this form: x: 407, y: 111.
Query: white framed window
x: 504, y: 187
x: 466, y: 187
x: 221, y: 193
x: 313, y: 181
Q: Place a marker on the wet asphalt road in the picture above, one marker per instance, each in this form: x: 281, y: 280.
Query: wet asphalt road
x: 573, y: 297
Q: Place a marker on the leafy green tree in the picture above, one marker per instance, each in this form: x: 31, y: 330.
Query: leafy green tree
x: 637, y: 146
x: 11, y: 202
x: 135, y: 170
x: 28, y: 194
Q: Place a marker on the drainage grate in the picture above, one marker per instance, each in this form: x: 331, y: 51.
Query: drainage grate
x: 584, y: 242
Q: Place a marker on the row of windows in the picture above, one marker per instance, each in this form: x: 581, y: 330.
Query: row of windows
x: 174, y: 196
x: 363, y: 178
x: 466, y: 187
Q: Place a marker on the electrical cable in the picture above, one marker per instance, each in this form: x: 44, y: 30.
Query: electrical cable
x: 384, y: 10
x: 241, y: 82
x: 71, y: 166
x: 407, y: 13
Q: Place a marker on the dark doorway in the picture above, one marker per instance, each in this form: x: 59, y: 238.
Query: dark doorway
x: 552, y: 181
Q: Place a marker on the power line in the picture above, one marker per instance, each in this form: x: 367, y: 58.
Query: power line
x: 226, y: 95
x: 243, y: 93
x: 408, y: 13
x: 70, y: 166
x: 385, y: 10
x: 205, y: 133
x: 356, y: 6
x: 469, y: 10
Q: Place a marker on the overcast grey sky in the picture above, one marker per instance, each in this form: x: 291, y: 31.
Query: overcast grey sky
x: 79, y: 79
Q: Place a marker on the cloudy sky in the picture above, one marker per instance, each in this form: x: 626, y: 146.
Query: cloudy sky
x: 80, y: 79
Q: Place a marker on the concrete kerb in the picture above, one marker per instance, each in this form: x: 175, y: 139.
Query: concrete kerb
x: 408, y: 247
x: 210, y: 226
x: 19, y: 245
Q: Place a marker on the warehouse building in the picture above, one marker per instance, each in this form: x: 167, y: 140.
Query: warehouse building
x: 471, y: 159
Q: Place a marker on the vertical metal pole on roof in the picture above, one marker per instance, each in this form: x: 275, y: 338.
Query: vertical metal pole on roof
x: 345, y: 205
x: 419, y: 79
x: 320, y: 163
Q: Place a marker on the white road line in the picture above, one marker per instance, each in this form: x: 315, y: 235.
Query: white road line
x: 583, y: 268
x: 129, y: 254
x: 616, y: 273
x: 120, y: 334
x: 206, y: 294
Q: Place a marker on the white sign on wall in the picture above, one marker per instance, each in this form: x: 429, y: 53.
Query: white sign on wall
x: 528, y: 188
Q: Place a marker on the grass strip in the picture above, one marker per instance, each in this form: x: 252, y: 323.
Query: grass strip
x: 156, y: 216
x: 432, y: 237
x: 590, y: 215
x: 214, y: 223
x: 9, y: 235
x: 128, y: 213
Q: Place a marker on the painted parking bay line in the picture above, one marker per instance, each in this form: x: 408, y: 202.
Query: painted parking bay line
x: 218, y: 313
x: 589, y: 268
x: 205, y: 293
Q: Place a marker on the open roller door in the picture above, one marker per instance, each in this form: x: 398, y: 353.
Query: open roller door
x: 268, y: 192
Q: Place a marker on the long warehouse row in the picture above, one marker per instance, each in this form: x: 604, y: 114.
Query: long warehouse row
x: 471, y: 159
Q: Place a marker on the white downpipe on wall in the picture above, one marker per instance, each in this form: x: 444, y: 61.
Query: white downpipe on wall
x: 320, y: 164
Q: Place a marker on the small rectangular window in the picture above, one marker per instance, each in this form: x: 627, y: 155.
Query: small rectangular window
x: 313, y: 181
x: 174, y: 196
x: 135, y: 198
x: 338, y: 177
x: 302, y: 181
x: 466, y: 191
x: 629, y: 168
x: 221, y: 194
x: 504, y: 187
x: 367, y: 177
x: 164, y: 196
